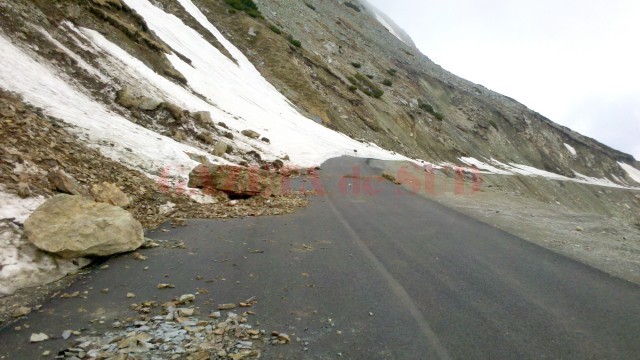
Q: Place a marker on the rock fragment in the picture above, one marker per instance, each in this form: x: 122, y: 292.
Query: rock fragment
x: 38, y: 337
x: 250, y: 134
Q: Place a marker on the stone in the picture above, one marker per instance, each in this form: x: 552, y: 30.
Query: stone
x: 234, y: 180
x: 179, y: 135
x: 128, y: 99
x: 73, y: 226
x: 203, y: 117
x: 125, y: 97
x: 250, y: 134
x: 149, y: 104
x: 277, y: 164
x: 21, y: 311
x: 109, y: 193
x: 284, y: 337
x: 579, y: 228
x: 226, y: 306
x: 24, y: 191
x: 205, y: 137
x: 63, y: 182
x: 175, y: 111
x: 186, y: 311
x: 186, y: 298
x: 38, y: 337
x: 220, y: 149
x: 264, y: 139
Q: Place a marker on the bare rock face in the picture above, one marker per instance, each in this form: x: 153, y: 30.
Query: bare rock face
x: 235, y: 180
x: 109, y: 193
x: 73, y: 226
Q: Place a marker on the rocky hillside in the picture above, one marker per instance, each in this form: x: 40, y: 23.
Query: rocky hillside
x: 336, y: 61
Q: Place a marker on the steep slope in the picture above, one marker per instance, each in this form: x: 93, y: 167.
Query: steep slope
x: 162, y: 86
x: 477, y: 122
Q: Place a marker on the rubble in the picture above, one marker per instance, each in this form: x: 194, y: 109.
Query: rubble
x: 174, y: 333
x: 109, y: 193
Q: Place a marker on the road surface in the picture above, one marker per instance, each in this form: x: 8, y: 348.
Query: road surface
x: 388, y: 275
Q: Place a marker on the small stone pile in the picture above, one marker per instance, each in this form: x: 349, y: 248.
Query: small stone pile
x: 176, y: 334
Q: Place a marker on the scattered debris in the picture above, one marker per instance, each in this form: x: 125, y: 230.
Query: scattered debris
x: 174, y: 333
x: 138, y: 256
x: 38, y: 337
x: 226, y: 306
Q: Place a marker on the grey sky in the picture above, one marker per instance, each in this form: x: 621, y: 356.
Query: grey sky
x: 576, y: 62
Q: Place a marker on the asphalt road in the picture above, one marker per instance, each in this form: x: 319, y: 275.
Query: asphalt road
x: 383, y: 275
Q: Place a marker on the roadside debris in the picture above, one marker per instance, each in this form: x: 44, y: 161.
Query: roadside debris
x: 173, y: 332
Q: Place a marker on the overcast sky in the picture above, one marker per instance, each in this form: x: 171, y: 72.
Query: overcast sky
x: 576, y: 62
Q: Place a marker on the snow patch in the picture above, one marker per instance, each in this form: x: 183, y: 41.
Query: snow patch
x: 115, y: 136
x: 631, y: 171
x: 388, y: 27
x: 83, y: 64
x: 484, y: 166
x: 239, y: 89
x: 571, y: 149
x: 17, y: 208
x: 498, y: 168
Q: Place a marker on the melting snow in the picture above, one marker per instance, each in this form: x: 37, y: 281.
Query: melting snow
x: 571, y: 149
x: 136, y: 146
x: 239, y: 89
x: 631, y: 171
x: 496, y: 167
x: 386, y: 25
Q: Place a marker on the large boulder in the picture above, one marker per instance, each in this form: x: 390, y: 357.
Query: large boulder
x: 235, y: 180
x: 74, y: 226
